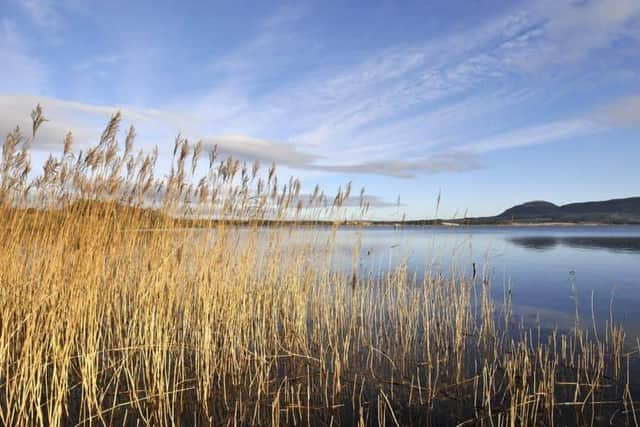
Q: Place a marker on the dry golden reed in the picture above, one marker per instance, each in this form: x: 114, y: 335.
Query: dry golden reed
x: 127, y: 298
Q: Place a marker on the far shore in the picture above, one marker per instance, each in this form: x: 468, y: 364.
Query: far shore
x: 399, y: 225
x: 487, y: 224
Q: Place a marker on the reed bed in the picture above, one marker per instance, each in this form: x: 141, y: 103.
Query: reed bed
x: 128, y: 299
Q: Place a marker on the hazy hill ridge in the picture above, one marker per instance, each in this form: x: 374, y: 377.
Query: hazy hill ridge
x: 610, y: 211
x: 614, y: 211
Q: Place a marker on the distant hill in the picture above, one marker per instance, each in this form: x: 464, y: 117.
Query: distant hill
x: 529, y: 210
x: 607, y: 211
x: 615, y: 211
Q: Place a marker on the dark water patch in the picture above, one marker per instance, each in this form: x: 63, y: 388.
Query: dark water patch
x: 611, y: 243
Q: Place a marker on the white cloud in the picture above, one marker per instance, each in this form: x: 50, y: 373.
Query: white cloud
x: 534, y: 135
x: 45, y: 16
x: 370, y: 102
x: 624, y: 112
x: 590, y: 25
x: 246, y: 147
x: 101, y: 60
x: 415, y: 101
x: 456, y: 161
x: 333, y: 108
x: 86, y: 121
x: 571, y: 31
x: 370, y: 200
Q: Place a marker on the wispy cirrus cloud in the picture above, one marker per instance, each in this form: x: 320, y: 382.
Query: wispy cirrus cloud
x: 573, y: 30
x: 86, y: 122
x: 402, y: 110
x: 623, y: 112
x: 340, y: 112
x: 534, y: 135
x: 45, y: 15
x: 101, y: 60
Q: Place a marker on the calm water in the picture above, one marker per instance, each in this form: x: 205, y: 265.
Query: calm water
x: 539, y: 263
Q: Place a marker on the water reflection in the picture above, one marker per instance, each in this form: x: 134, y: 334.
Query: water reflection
x: 612, y: 243
x: 540, y: 264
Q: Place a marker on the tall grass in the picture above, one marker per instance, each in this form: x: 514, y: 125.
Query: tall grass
x: 112, y: 312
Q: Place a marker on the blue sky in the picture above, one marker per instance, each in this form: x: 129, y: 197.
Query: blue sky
x: 489, y: 102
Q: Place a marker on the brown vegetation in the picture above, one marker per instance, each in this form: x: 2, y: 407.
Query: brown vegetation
x: 111, y: 313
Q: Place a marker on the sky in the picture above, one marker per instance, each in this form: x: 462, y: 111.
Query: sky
x: 487, y: 103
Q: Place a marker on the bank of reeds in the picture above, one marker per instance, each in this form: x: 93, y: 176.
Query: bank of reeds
x: 113, y: 313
